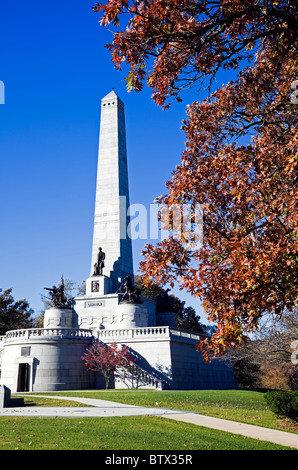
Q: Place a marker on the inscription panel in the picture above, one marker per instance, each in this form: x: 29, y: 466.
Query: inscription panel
x: 97, y: 303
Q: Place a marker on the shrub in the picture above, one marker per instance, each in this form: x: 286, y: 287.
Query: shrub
x: 283, y: 403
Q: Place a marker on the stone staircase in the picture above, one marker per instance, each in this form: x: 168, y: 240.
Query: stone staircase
x: 135, y: 376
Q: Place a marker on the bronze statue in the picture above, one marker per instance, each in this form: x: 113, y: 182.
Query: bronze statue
x: 131, y: 293
x: 58, y: 296
x: 99, y: 265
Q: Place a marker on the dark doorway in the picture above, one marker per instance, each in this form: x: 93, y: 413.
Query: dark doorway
x: 23, y: 379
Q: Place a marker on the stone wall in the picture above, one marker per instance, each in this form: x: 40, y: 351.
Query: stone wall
x: 45, y: 359
x: 49, y: 359
x: 170, y: 355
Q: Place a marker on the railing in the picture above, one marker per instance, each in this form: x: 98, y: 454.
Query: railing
x: 133, y: 332
x: 47, y: 332
x: 128, y: 333
x: 135, y: 376
x: 185, y: 334
x: 148, y: 332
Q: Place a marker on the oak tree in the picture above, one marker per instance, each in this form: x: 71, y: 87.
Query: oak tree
x: 240, y: 159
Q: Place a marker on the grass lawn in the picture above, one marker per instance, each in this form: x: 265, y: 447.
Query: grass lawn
x: 121, y: 433
x: 237, y: 405
x: 42, y: 401
x: 143, y: 432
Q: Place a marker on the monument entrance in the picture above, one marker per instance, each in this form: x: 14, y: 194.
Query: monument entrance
x: 23, y: 377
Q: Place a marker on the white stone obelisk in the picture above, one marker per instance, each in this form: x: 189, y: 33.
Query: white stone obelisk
x: 112, y: 195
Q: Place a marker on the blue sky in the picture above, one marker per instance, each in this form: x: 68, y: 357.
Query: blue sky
x: 56, y: 69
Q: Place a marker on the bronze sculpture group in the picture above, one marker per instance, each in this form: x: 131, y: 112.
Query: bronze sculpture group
x: 58, y: 297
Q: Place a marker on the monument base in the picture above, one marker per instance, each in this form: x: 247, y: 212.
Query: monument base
x: 98, y: 285
x: 170, y: 356
x: 98, y: 312
x: 130, y: 315
x: 58, y: 317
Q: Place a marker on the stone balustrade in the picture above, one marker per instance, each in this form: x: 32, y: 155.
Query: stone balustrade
x: 133, y: 332
x: 139, y: 377
x: 32, y: 333
x: 148, y: 332
x: 185, y: 334
x: 128, y: 333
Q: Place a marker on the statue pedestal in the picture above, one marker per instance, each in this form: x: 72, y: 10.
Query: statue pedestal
x: 98, y: 285
x: 131, y: 315
x: 58, y: 317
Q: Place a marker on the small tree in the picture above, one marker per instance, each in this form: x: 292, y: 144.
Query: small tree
x: 104, y: 358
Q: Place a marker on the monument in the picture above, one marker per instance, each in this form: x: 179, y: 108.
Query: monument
x: 112, y: 309
x: 112, y: 195
x: 104, y: 306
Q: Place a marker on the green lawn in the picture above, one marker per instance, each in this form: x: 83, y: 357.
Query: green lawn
x: 122, y: 433
x: 237, y: 405
x: 143, y: 432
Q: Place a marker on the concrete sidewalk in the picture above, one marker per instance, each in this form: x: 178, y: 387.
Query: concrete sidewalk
x: 104, y: 408
x: 248, y: 430
x: 96, y: 409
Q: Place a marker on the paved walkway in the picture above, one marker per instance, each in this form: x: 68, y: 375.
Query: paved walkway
x: 104, y: 408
